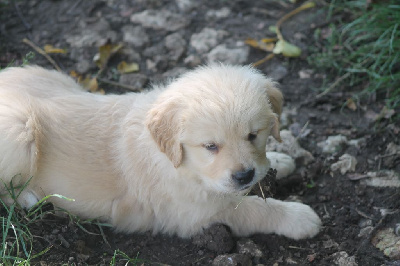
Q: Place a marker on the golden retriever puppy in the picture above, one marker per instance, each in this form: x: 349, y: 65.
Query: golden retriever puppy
x: 175, y: 159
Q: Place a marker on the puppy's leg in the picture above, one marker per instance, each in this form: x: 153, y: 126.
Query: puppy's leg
x: 255, y: 215
x: 18, y: 148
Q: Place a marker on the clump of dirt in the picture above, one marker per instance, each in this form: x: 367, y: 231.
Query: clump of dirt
x: 167, y: 37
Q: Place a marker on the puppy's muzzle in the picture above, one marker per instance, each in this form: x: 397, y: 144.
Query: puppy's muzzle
x: 243, y: 177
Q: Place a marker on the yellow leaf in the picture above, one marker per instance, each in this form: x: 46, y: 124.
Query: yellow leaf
x: 125, y: 67
x: 268, y: 40
x: 287, y: 49
x: 105, y: 53
x: 90, y: 83
x: 264, y: 44
x: 351, y: 104
x: 50, y: 49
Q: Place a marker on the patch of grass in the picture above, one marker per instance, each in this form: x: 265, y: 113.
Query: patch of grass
x: 364, y: 51
x: 16, y: 238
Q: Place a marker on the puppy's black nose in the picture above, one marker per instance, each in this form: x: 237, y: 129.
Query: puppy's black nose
x: 243, y: 177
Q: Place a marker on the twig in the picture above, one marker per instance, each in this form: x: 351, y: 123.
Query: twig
x: 290, y: 14
x: 262, y: 191
x: 40, y: 51
x: 334, y: 85
x: 265, y: 59
x: 113, y: 83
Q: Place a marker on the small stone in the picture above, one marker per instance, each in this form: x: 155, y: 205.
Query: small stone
x: 206, y: 39
x: 135, y: 36
x: 232, y: 259
x: 160, y: 20
x: 305, y: 73
x: 92, y: 34
x: 176, y: 45
x: 332, y: 143
x: 283, y: 163
x: 384, y: 178
x: 234, y: 56
x: 83, y: 66
x: 365, y: 231
x: 388, y: 242
x: 330, y: 243
x: 218, y: 13
x: 345, y: 164
x: 186, y: 5
x: 247, y: 246
x: 343, y: 259
x: 291, y: 147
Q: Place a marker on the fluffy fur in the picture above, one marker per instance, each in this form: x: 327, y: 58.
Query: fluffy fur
x: 175, y: 159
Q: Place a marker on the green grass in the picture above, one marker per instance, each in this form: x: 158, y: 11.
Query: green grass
x: 364, y: 51
x: 16, y: 247
x: 16, y: 238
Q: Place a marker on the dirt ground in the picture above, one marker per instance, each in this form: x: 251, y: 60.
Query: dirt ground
x: 354, y: 210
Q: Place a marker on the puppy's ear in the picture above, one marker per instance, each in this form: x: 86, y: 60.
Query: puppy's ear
x: 163, y: 124
x: 275, y: 98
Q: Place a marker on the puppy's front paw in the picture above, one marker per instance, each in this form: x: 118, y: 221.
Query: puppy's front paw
x: 300, y: 221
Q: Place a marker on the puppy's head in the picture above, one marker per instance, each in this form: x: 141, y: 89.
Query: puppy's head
x: 214, y: 123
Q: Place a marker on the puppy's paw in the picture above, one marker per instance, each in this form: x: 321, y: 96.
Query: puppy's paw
x: 27, y: 199
x: 300, y: 221
x: 283, y: 163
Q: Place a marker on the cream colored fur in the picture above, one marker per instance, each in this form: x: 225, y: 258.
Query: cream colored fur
x: 141, y: 161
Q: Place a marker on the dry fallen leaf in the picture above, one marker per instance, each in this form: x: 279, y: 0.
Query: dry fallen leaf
x: 351, y: 104
x: 281, y: 46
x: 50, y: 49
x: 89, y: 83
x: 266, y: 44
x: 125, y: 67
x: 105, y: 53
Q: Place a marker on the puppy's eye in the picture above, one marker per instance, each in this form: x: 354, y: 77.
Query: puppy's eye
x: 252, y: 136
x: 211, y: 147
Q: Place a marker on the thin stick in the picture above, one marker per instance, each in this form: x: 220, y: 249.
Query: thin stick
x: 265, y: 59
x: 113, y: 83
x: 40, y: 51
x: 290, y: 14
x: 262, y: 192
x: 334, y: 85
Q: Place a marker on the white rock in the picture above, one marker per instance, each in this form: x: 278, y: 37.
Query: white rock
x: 160, y: 20
x: 388, y: 242
x: 384, y: 178
x: 135, y: 35
x: 345, y: 164
x: 234, y: 56
x: 219, y: 13
x: 341, y: 258
x: 290, y: 146
x: 186, y: 5
x: 206, y: 39
x: 332, y: 143
x: 176, y: 45
x: 283, y: 163
x: 93, y: 34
